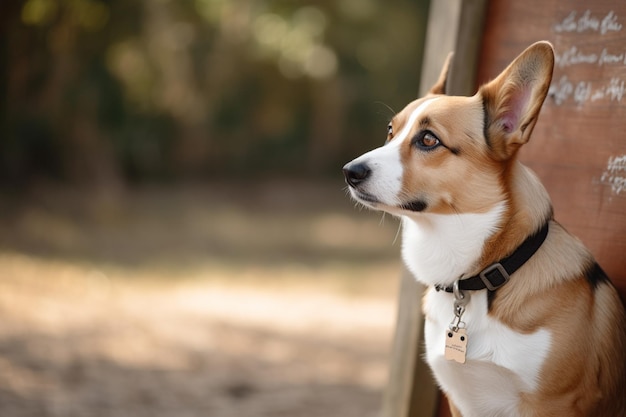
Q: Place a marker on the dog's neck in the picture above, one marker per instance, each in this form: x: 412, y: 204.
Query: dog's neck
x: 441, y: 248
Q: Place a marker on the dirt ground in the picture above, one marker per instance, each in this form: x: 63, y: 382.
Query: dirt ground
x: 211, y: 300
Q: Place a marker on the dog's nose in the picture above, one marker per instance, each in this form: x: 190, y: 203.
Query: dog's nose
x: 355, y: 173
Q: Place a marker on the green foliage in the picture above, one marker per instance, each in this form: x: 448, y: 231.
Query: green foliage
x: 161, y: 89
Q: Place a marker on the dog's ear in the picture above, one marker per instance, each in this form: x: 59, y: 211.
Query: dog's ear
x: 512, y: 101
x: 440, y: 85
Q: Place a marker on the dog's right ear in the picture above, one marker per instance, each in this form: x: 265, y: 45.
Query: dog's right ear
x: 442, y: 82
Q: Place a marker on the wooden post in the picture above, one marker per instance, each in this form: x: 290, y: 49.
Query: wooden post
x: 453, y: 25
x: 411, y: 391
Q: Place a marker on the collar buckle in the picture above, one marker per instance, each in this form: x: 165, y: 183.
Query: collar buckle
x: 494, y: 276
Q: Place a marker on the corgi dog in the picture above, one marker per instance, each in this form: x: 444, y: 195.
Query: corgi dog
x: 519, y: 318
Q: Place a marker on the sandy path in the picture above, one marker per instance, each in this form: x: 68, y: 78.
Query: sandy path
x: 84, y: 345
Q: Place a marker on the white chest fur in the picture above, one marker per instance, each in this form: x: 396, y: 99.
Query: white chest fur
x: 501, y: 363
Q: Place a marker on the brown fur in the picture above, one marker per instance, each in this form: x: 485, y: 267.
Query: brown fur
x: 454, y: 122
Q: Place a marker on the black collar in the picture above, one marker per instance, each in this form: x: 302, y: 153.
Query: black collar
x: 497, y: 274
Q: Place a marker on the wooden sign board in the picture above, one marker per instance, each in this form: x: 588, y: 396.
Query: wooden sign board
x: 578, y: 147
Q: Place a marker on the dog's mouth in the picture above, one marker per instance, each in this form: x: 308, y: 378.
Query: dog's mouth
x: 370, y: 200
x: 415, y: 205
x: 363, y: 197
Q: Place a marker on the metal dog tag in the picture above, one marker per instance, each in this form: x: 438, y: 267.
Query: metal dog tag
x: 456, y: 345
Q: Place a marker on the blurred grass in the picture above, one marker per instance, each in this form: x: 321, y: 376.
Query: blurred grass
x: 274, y: 232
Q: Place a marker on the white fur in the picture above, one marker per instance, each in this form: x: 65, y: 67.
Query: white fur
x: 386, y: 165
x: 440, y: 248
x: 500, y: 362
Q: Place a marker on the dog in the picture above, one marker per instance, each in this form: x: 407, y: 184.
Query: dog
x: 519, y: 318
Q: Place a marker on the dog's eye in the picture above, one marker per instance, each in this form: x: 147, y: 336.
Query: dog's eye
x: 389, y: 130
x: 426, y: 140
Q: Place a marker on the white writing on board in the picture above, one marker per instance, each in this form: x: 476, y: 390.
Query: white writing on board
x: 615, y: 174
x: 588, y: 22
x: 613, y: 89
x: 592, y: 69
x: 582, y: 91
x: 574, y: 56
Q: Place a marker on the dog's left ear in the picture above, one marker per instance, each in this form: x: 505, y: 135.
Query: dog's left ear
x: 512, y: 101
x: 440, y: 85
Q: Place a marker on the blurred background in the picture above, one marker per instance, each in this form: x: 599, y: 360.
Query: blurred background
x: 175, y: 234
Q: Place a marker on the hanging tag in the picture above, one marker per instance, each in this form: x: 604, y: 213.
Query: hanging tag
x: 456, y: 345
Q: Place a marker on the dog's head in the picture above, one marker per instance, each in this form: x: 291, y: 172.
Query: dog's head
x: 447, y: 154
